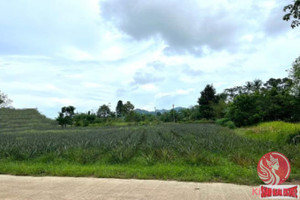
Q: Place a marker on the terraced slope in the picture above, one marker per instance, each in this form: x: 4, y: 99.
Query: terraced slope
x: 12, y: 120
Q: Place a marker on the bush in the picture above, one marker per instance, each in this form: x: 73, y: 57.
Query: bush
x: 226, y: 122
x: 222, y: 121
x: 230, y: 124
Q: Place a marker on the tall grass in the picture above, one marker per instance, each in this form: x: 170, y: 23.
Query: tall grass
x: 278, y: 131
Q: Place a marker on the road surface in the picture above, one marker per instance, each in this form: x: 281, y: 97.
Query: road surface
x: 70, y: 188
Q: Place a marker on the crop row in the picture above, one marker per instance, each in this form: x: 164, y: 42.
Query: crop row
x: 190, y: 143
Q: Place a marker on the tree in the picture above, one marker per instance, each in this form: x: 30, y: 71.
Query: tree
x: 65, y: 117
x: 269, y: 101
x: 170, y: 116
x: 245, y: 110
x: 207, y: 98
x: 219, y: 109
x: 61, y: 120
x: 293, y: 11
x: 195, y: 112
x: 134, y: 117
x: 4, y: 100
x: 276, y: 102
x: 119, y: 108
x: 257, y: 85
x: 294, y: 74
x: 84, y: 119
x: 124, y: 109
x: 127, y: 108
x: 103, y: 111
x: 184, y: 114
x: 69, y: 111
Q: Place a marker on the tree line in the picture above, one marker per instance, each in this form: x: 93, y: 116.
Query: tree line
x: 255, y: 101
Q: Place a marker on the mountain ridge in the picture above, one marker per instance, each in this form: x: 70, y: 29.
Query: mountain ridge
x: 143, y: 111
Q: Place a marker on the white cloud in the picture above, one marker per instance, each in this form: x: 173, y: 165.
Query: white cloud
x: 76, y: 54
x: 175, y: 93
x: 193, y: 26
x: 153, y: 53
x: 45, y: 27
x: 149, y: 87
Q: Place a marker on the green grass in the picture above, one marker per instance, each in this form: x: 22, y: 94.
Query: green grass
x: 187, y: 152
x: 233, y: 173
x: 278, y: 131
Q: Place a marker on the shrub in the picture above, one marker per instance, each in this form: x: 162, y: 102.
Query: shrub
x: 230, y: 124
x: 226, y: 123
x: 222, y: 121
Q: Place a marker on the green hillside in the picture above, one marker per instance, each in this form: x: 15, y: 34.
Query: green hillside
x: 12, y: 120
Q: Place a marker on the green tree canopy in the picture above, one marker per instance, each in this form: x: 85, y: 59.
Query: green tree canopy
x: 65, y: 117
x: 103, y: 111
x: 127, y: 108
x: 245, y: 110
x: 274, y: 100
x: 294, y: 74
x: 293, y: 12
x: 205, y: 101
x: 124, y: 109
x: 119, y: 108
x: 4, y: 100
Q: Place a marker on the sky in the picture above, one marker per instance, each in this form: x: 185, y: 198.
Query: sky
x: 86, y: 53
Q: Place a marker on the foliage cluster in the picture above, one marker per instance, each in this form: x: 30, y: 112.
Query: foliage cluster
x: 293, y: 12
x: 4, y: 100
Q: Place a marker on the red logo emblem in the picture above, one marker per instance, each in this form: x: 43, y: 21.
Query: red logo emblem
x: 273, y: 168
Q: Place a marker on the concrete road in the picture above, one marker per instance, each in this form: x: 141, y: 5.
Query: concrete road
x: 68, y: 188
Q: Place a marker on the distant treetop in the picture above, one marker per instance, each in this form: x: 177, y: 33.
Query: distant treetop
x: 293, y: 11
x: 4, y: 100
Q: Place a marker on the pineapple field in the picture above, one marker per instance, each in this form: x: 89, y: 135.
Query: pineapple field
x: 31, y: 144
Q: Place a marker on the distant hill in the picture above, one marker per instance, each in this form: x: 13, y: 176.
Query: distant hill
x: 12, y: 120
x: 179, y: 108
x: 146, y: 112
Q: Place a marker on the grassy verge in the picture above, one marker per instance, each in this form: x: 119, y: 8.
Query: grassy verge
x: 229, y: 173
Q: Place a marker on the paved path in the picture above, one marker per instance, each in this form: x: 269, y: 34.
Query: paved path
x: 68, y: 188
